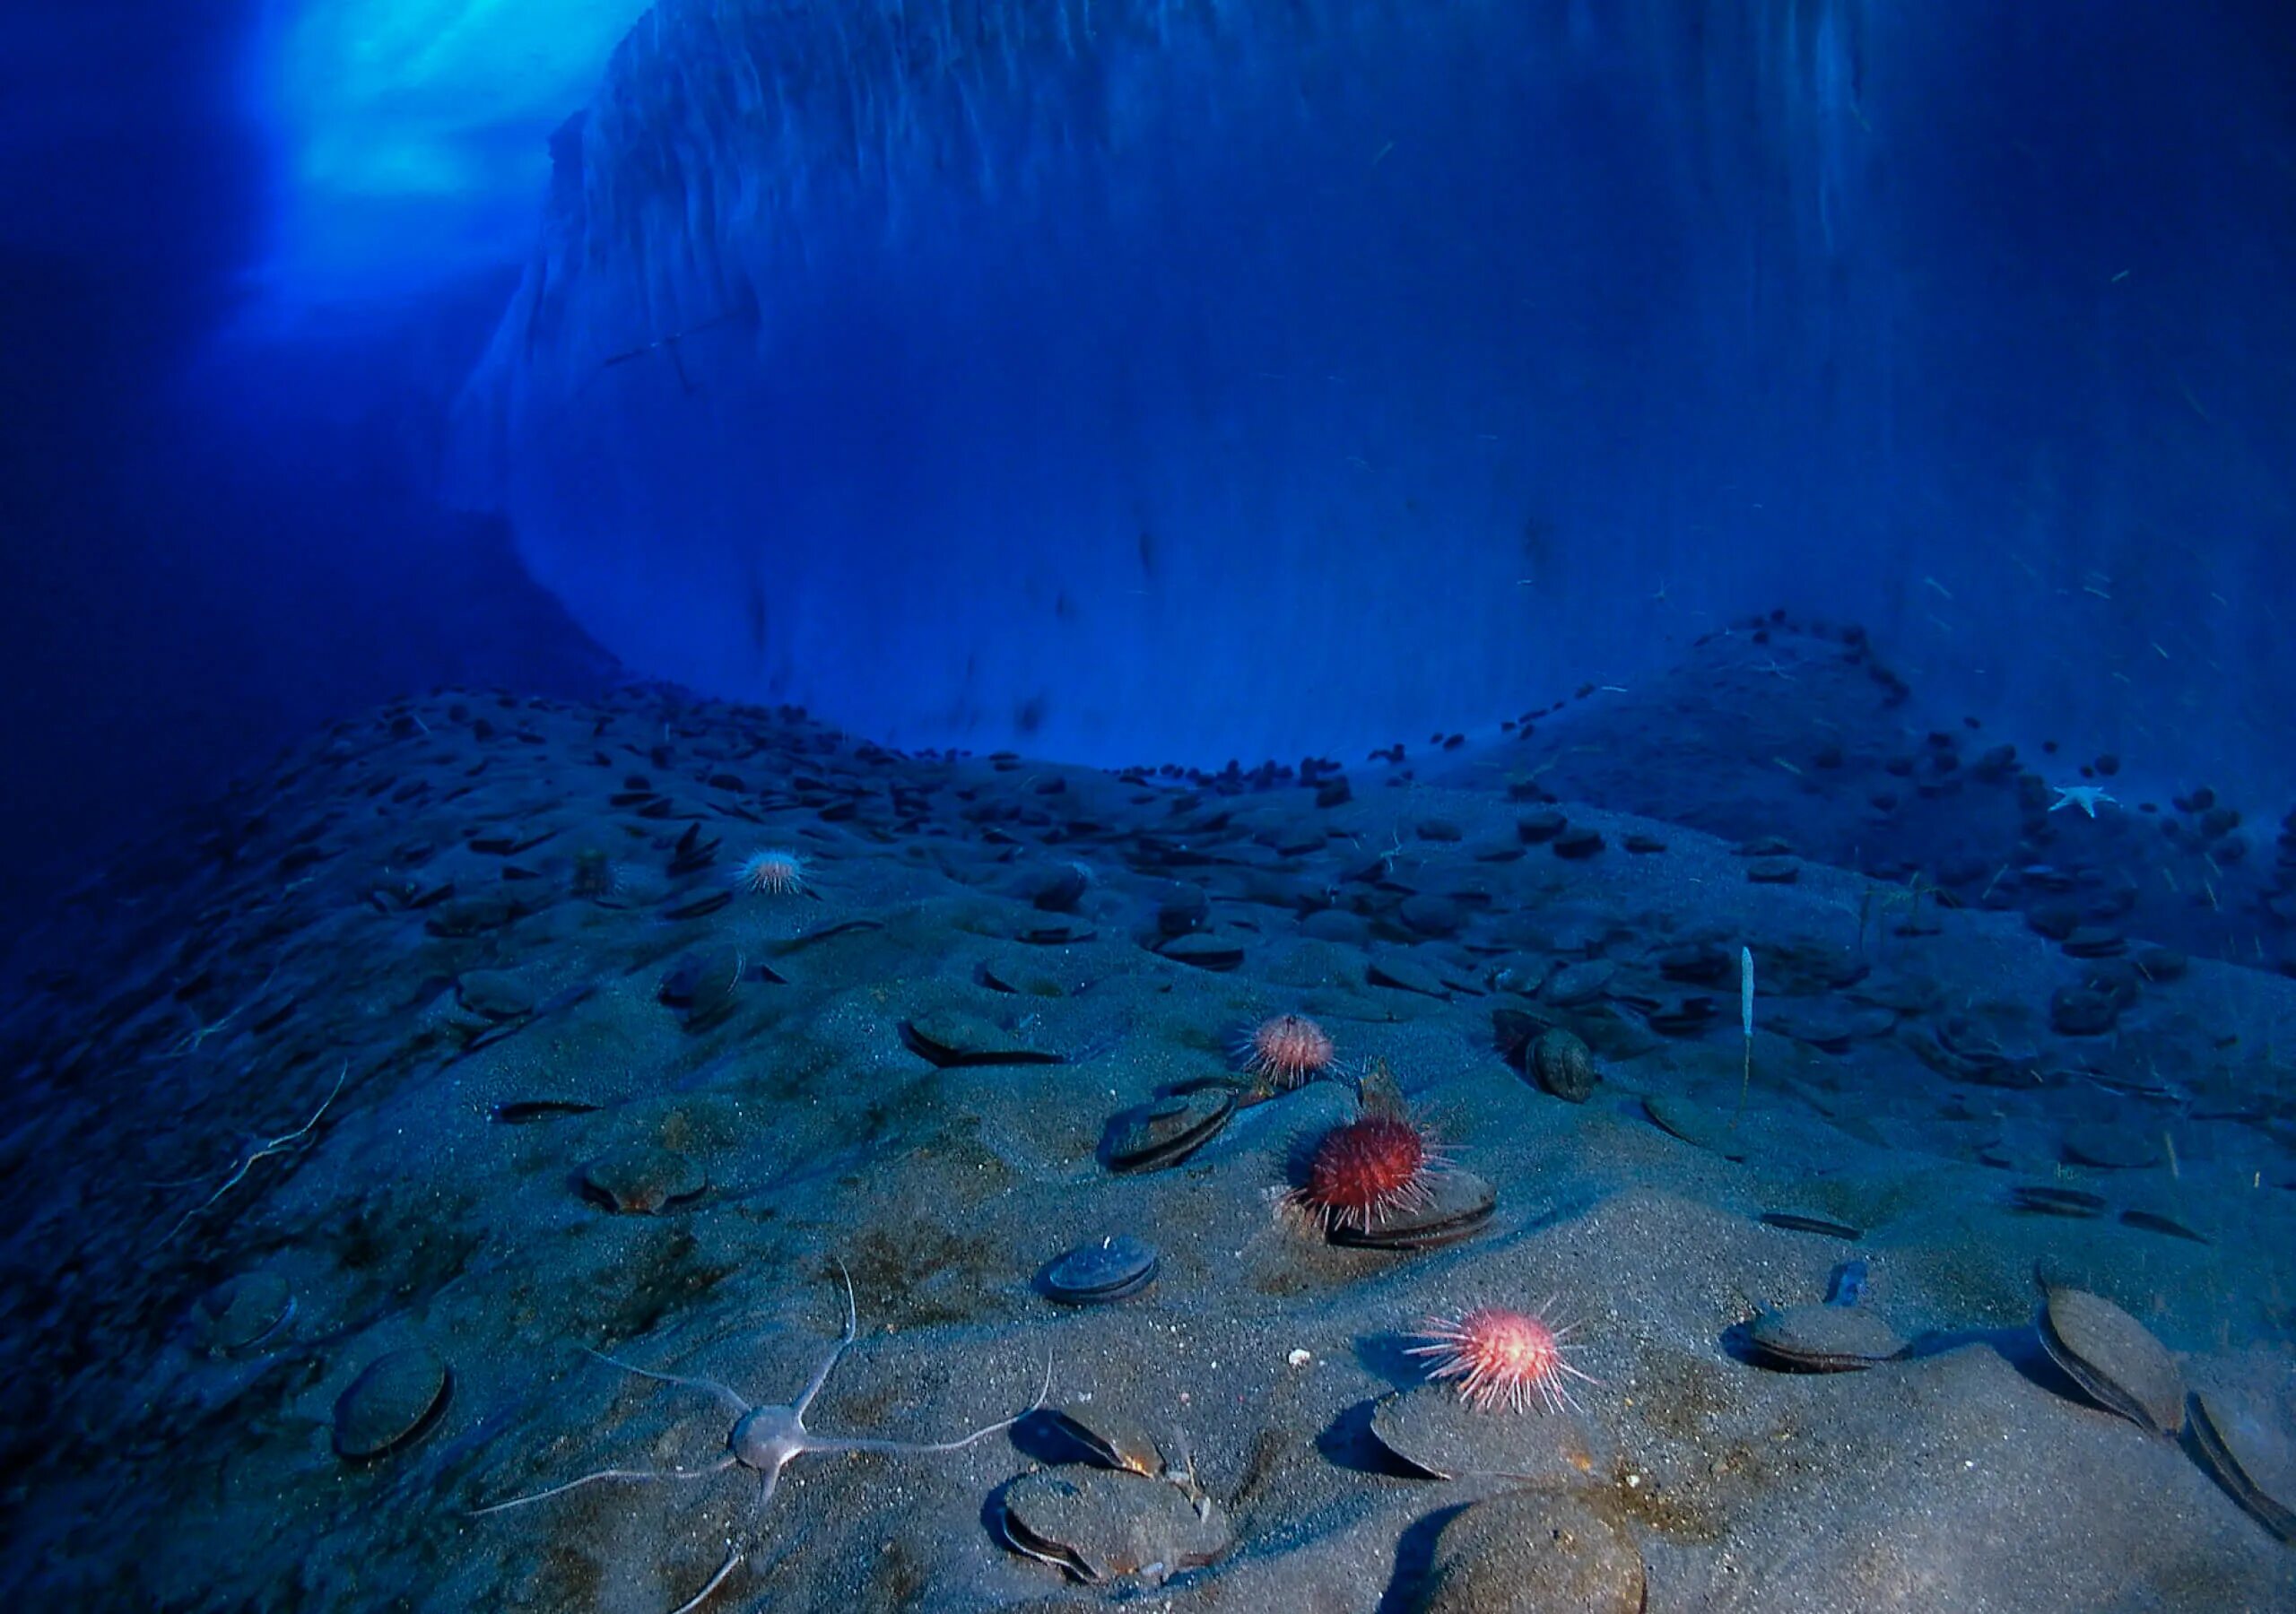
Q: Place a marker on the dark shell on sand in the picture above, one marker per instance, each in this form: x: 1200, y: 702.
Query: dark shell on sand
x: 1579, y: 982
x: 1113, y: 1269
x: 2102, y: 1143
x: 1534, y: 1552
x: 1564, y: 1066
x: 640, y: 1179
x: 954, y: 1037
x: 703, y: 985
x: 1400, y: 974
x: 240, y: 1312
x: 2233, y: 1450
x: 1459, y: 1205
x: 2040, y: 1199
x: 2114, y: 1359
x: 1103, y: 1525
x: 1218, y: 954
x: 494, y: 994
x: 1697, y: 1124
x: 1430, y: 1428
x: 1102, y: 1434
x: 399, y: 1395
x: 1170, y: 1127
x: 1822, y: 1339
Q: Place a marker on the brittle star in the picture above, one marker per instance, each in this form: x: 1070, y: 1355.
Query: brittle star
x: 189, y: 1042
x: 263, y: 1147
x: 767, y: 1439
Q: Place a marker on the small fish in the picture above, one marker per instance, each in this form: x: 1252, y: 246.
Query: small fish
x: 1848, y: 1285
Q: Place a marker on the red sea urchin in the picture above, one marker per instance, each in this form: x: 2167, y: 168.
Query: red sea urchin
x: 1367, y: 1170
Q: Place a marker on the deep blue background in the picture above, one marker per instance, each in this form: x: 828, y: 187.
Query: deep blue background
x: 1737, y: 330
x: 207, y: 547
x: 1319, y: 376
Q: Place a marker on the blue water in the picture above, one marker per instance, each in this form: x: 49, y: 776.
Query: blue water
x: 1860, y: 433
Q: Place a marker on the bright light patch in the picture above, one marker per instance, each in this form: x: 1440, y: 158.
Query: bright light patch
x: 410, y: 135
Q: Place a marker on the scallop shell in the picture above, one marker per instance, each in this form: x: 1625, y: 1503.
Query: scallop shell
x: 1434, y: 1430
x: 642, y: 1179
x: 2220, y: 1441
x: 1170, y: 1127
x: 241, y: 1312
x: 1094, y: 1274
x: 1102, y: 1525
x: 956, y: 1037
x: 1110, y: 1437
x: 1533, y: 1550
x: 2114, y: 1359
x: 1459, y: 1205
x: 1822, y: 1338
x: 398, y: 1396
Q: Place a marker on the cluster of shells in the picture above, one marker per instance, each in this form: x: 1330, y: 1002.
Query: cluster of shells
x: 1447, y: 1203
x: 1117, y: 1507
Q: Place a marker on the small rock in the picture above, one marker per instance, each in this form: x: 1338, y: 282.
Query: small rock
x: 1578, y: 842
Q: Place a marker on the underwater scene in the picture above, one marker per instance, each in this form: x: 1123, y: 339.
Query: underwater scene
x: 1302, y: 806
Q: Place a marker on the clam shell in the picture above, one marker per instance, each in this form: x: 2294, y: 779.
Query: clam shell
x: 1459, y: 1205
x: 494, y: 994
x: 1094, y: 1274
x: 1432, y: 1429
x: 703, y: 985
x: 1218, y: 954
x: 1698, y: 1124
x: 1110, y: 1437
x: 1822, y: 1338
x: 2114, y: 1359
x: 1563, y: 1065
x: 954, y: 1037
x: 1534, y: 1551
x: 1100, y: 1525
x: 2221, y: 1440
x: 241, y: 1312
x: 2102, y: 1143
x: 1579, y: 982
x: 399, y: 1395
x: 1169, y: 1128
x: 642, y: 1179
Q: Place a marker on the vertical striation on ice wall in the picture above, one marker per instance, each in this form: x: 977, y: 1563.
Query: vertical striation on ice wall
x: 1199, y: 378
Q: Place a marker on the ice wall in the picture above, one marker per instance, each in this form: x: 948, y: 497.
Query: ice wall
x: 1135, y: 378
x: 405, y: 137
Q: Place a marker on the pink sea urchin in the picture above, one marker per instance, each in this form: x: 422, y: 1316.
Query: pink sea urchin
x: 774, y: 873
x: 1288, y: 1049
x: 1499, y: 1355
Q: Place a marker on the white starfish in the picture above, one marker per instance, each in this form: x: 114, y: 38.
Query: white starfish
x: 2083, y: 796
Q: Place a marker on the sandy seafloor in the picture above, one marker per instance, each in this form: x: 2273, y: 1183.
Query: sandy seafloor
x: 910, y: 1070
